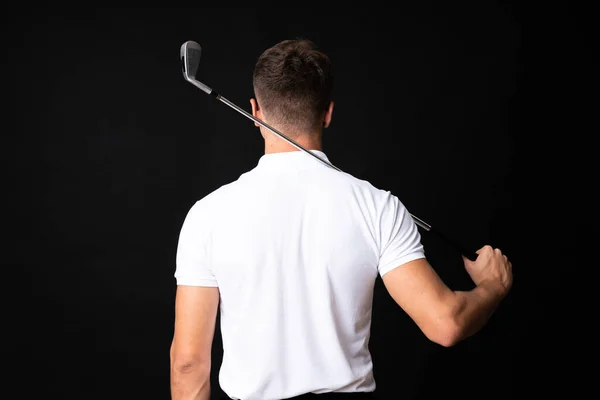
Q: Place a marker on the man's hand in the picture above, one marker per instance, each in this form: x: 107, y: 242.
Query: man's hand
x: 490, y: 265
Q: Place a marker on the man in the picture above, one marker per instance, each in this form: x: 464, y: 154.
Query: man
x: 291, y: 251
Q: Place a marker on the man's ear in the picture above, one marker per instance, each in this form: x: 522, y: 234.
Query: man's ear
x: 255, y: 111
x: 327, y: 117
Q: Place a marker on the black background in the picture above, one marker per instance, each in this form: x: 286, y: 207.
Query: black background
x: 446, y: 104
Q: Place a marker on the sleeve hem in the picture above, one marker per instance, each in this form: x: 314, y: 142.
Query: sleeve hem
x: 189, y: 281
x: 389, y: 266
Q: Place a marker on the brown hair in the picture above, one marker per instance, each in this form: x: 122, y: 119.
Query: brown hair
x: 293, y: 81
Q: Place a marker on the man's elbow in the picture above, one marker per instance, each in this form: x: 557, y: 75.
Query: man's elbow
x: 184, y: 363
x: 447, y: 332
x: 190, y: 367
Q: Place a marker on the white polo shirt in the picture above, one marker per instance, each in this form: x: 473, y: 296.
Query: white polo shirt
x: 295, y: 248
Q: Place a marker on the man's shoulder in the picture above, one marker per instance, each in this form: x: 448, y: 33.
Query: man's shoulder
x: 362, y: 185
x: 217, y: 197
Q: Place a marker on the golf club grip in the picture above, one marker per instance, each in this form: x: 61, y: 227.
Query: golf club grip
x: 469, y: 254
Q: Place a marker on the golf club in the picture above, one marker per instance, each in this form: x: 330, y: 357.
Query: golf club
x: 190, y: 53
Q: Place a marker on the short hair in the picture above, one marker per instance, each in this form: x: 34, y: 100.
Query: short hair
x: 294, y: 82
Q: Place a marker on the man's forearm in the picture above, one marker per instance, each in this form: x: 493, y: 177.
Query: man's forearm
x: 190, y: 382
x: 475, y: 307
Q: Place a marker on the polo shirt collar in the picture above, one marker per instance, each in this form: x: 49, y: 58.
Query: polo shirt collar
x: 292, y: 160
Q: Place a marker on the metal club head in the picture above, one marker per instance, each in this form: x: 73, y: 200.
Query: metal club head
x: 190, y: 61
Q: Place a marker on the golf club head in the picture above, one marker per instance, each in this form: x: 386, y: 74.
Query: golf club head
x: 190, y: 61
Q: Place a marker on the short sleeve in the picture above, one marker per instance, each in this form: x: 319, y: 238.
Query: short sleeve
x: 400, y: 237
x: 192, y: 267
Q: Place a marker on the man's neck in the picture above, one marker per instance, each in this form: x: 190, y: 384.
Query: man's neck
x: 279, y: 145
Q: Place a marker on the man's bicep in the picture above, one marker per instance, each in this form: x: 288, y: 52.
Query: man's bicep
x: 195, y: 319
x: 421, y: 293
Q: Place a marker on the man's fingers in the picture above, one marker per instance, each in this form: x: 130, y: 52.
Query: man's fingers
x: 486, y: 248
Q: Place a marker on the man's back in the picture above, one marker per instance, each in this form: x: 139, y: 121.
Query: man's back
x: 291, y: 251
x: 295, y: 247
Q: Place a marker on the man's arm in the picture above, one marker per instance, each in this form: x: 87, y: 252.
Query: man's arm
x: 446, y: 317
x: 195, y: 319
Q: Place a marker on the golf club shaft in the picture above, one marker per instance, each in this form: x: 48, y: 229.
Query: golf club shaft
x: 418, y: 221
x: 470, y: 255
